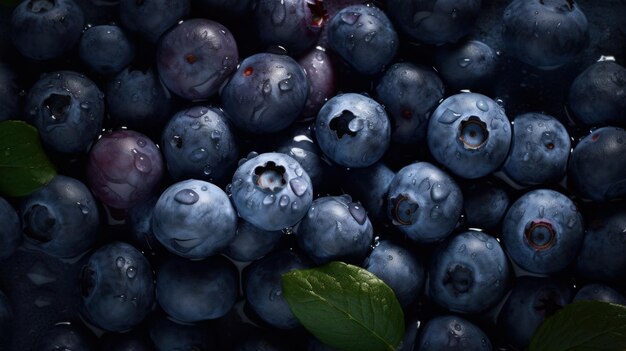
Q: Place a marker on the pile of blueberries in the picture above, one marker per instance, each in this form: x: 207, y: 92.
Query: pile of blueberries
x: 471, y: 155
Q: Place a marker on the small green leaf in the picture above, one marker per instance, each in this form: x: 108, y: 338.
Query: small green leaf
x: 345, y: 307
x: 583, y: 325
x: 24, y: 166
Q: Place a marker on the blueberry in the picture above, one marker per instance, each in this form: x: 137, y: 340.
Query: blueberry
x: 409, y: 93
x: 594, y: 97
x: 11, y: 235
x: 435, y: 22
x: 9, y: 100
x: 543, y: 231
x: 545, y: 33
x: 320, y: 72
x: 60, y: 219
x: 293, y: 24
x: 599, y: 292
x: 271, y: 191
x: 370, y: 187
x: 66, y: 336
x: 106, y: 49
x: 485, y: 203
x: 364, y: 37
x: 539, y: 150
x: 449, y: 333
x: 468, y: 273
x: 531, y: 301
x: 266, y: 94
x: 167, y: 335
x: 152, y: 18
x: 192, y: 291
x: 46, y: 29
x: 424, y: 202
x: 138, y: 100
x: 469, y: 134
x: 353, y: 130
x: 124, y: 168
x: 335, y: 228
x: 595, y: 169
x: 68, y: 109
x: 117, y: 287
x: 194, y: 219
x: 398, y: 267
x: 468, y: 64
x: 252, y: 243
x: 263, y: 291
x: 198, y: 143
x: 196, y: 57
x: 602, y: 253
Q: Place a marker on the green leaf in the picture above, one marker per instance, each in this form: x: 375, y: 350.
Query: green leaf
x: 345, y: 307
x: 583, y: 325
x: 24, y: 166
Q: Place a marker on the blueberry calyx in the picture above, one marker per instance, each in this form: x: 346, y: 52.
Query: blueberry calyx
x: 341, y: 124
x: 547, y: 303
x: 403, y: 210
x: 473, y: 133
x: 460, y: 277
x: 540, y: 234
x: 270, y: 177
x: 57, y: 106
x: 39, y: 224
x: 38, y: 6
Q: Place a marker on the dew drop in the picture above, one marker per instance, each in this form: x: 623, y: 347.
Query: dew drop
x: 285, y: 85
x: 269, y: 199
x: 284, y: 201
x: 350, y: 17
x: 84, y: 209
x: 463, y: 62
x: 489, y: 245
x: 435, y: 212
x: 369, y: 36
x: 131, y: 272
x: 142, y: 162
x: 439, y: 193
x: 482, y: 105
x: 299, y: 186
x: 120, y: 262
x: 207, y: 170
x: 186, y: 197
x: 198, y: 154
x: 449, y: 116
x: 356, y: 125
x: 294, y: 206
x: 267, y: 87
x: 141, y: 142
x: 216, y: 135
x: 85, y: 105
x: 358, y: 212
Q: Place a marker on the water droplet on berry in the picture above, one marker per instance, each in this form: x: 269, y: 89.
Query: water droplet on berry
x: 131, y: 272
x: 186, y: 197
x: 299, y: 186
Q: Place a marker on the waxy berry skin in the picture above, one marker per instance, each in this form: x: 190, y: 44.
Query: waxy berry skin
x: 469, y: 134
x: 124, y: 168
x: 543, y: 231
x: 196, y: 57
x: 194, y: 219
